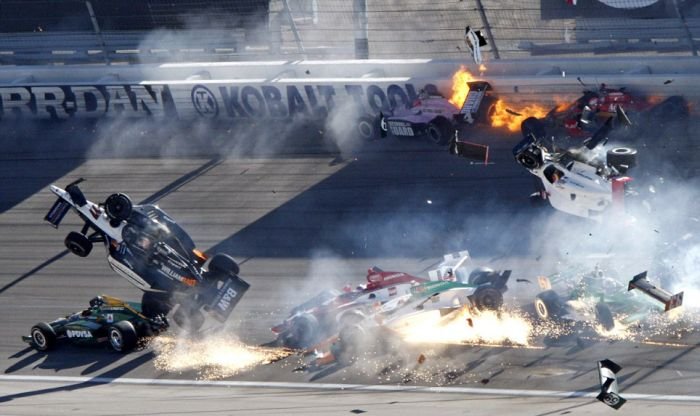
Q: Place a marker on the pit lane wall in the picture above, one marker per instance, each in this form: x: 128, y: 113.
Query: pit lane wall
x: 286, y: 89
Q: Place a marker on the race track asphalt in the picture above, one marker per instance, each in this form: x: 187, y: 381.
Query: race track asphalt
x: 299, y: 218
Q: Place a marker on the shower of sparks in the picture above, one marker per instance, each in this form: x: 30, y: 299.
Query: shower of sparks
x: 466, y: 326
x: 212, y: 357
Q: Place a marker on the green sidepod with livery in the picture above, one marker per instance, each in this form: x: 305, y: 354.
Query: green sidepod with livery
x: 107, y: 320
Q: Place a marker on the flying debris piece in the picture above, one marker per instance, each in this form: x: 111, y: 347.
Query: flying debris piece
x: 474, y: 40
x: 669, y: 300
x: 358, y: 411
x: 429, y: 201
x: 523, y: 281
x: 421, y: 359
x: 668, y: 81
x: 469, y: 150
x: 515, y: 113
x: 609, y: 393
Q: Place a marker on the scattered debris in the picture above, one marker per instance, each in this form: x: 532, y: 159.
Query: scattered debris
x: 668, y: 81
x: 358, y: 411
x: 485, y: 381
x: 421, y: 359
x: 609, y: 392
x: 515, y: 113
x: 523, y: 281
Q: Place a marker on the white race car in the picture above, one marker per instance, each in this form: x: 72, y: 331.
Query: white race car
x: 577, y: 181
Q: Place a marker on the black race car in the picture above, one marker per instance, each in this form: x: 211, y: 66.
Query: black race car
x: 150, y: 250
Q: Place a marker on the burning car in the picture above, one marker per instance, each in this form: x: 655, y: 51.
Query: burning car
x: 597, y: 297
x: 590, y: 111
x: 108, y: 319
x: 150, y: 250
x: 326, y: 313
x: 434, y: 116
x: 576, y: 181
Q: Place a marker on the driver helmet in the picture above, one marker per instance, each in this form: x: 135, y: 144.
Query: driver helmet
x: 97, y: 301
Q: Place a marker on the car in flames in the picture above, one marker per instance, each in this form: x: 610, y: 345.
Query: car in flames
x: 434, y: 116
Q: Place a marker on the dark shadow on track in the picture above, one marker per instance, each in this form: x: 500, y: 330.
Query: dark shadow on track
x: 103, y: 378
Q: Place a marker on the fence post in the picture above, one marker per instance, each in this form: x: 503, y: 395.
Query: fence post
x: 487, y: 27
x: 98, y: 32
x: 359, y: 20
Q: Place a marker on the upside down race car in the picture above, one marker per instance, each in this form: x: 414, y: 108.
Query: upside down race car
x: 150, y: 250
x: 576, y: 181
x: 108, y: 319
x: 433, y: 116
x: 328, y: 312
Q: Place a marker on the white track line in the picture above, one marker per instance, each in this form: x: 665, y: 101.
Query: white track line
x: 351, y: 387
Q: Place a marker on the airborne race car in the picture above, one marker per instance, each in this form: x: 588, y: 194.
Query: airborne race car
x: 596, y: 294
x: 576, y: 181
x: 330, y: 311
x: 150, y: 250
x: 434, y: 116
x: 108, y: 319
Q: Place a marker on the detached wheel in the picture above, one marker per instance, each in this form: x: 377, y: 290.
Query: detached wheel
x: 480, y: 276
x: 548, y: 305
x: 224, y: 264
x: 487, y: 298
x: 78, y: 244
x: 43, y: 336
x: 118, y: 207
x: 534, y: 126
x: 367, y: 128
x: 604, y: 316
x: 122, y: 336
x: 622, y: 157
x: 304, y: 331
x: 439, y: 131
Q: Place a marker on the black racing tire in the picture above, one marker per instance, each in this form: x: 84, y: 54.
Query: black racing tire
x: 480, y: 276
x: 224, y: 264
x: 622, y: 158
x: 549, y: 306
x: 367, y: 128
x: 487, y: 298
x: 122, y: 336
x: 43, y: 336
x: 190, y: 319
x: 352, y: 342
x: 155, y: 303
x: 303, y: 332
x: 604, y: 316
x: 118, y: 207
x: 78, y: 244
x: 440, y: 131
x: 76, y: 195
x: 534, y: 126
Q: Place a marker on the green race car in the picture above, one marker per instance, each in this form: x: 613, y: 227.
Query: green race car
x: 601, y: 299
x: 108, y: 319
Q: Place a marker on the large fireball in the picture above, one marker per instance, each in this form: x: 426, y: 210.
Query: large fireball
x: 510, y: 117
x: 460, y: 88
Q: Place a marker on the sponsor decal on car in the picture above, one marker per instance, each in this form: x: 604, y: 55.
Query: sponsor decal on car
x: 78, y: 333
x: 225, y: 301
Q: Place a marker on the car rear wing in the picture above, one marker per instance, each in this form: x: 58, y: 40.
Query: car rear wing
x: 222, y: 300
x: 669, y: 300
x: 469, y: 150
x: 470, y: 107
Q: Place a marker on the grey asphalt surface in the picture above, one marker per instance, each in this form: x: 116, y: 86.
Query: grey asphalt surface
x: 299, y: 220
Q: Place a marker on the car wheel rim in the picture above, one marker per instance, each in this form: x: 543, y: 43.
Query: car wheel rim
x: 541, y: 310
x: 115, y: 339
x: 39, y: 339
x: 365, y: 129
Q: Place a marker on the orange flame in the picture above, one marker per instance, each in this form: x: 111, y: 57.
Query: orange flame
x: 460, y: 88
x: 511, y: 117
